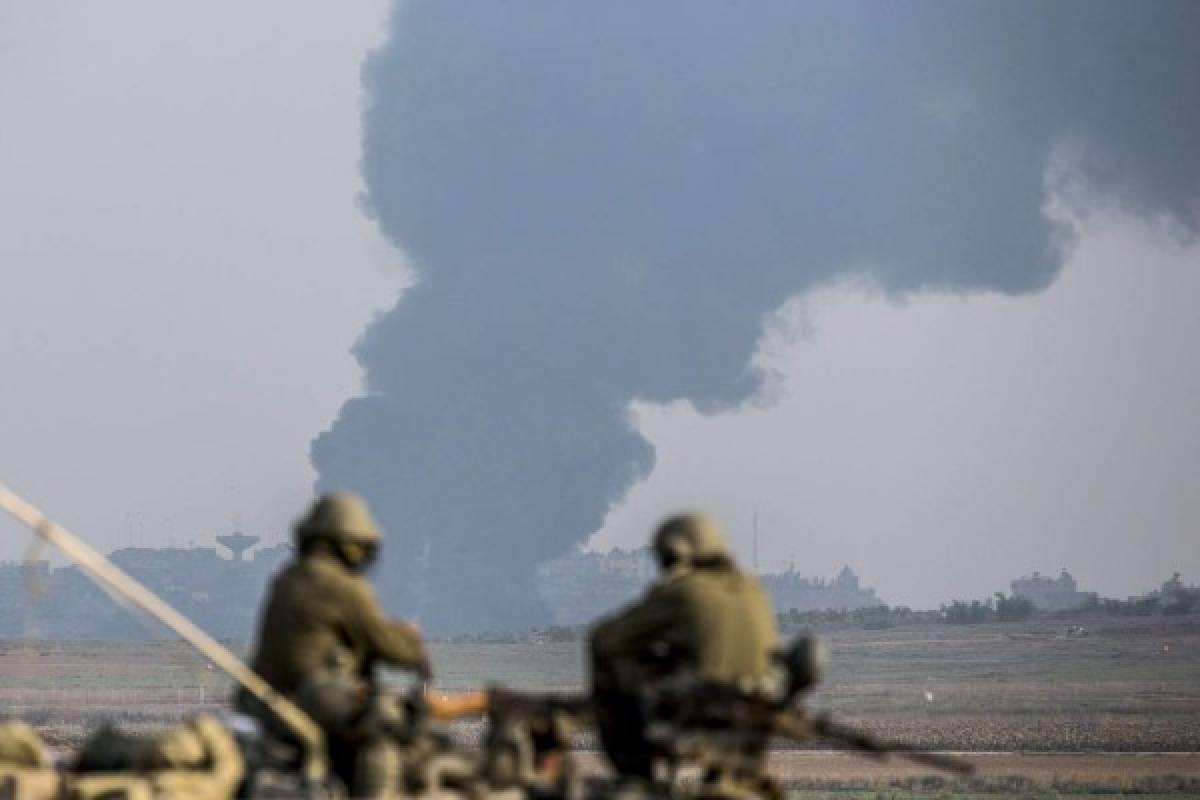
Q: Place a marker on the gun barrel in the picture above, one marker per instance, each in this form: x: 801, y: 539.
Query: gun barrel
x: 798, y: 726
x: 942, y: 761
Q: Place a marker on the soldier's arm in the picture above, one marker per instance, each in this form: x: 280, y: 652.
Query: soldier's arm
x: 645, y: 631
x: 390, y: 641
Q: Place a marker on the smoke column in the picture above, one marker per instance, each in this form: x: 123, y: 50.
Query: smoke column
x: 605, y: 200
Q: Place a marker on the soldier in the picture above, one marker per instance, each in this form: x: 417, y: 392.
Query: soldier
x: 322, y: 632
x: 704, y: 618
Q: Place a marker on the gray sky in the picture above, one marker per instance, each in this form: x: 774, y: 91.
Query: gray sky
x: 947, y: 444
x: 184, y: 270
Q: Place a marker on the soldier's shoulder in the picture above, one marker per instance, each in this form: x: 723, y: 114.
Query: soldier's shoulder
x: 682, y: 586
x: 703, y: 584
x: 289, y: 575
x: 749, y: 584
x: 754, y: 583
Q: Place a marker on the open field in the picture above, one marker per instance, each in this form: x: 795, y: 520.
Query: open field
x: 1051, y: 709
x: 818, y: 774
x: 840, y: 775
x: 1129, y: 685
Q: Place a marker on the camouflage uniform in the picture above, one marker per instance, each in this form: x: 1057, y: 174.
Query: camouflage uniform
x: 705, y: 619
x: 322, y: 633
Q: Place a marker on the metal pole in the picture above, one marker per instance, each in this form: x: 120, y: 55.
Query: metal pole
x: 109, y: 577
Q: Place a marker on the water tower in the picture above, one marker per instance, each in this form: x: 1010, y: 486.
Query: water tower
x: 238, y: 543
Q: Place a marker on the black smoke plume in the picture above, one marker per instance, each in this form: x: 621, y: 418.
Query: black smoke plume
x: 604, y: 200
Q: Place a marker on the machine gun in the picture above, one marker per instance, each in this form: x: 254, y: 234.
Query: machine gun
x: 724, y: 726
x: 713, y: 724
x: 717, y: 728
x: 790, y: 724
x: 726, y: 720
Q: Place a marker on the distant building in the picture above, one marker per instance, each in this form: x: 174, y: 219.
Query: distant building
x: 221, y: 595
x: 791, y: 590
x: 583, y: 585
x: 1050, y: 594
x: 1172, y: 589
x: 1174, y: 595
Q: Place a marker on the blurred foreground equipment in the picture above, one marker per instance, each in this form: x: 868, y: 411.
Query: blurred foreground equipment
x: 311, y: 763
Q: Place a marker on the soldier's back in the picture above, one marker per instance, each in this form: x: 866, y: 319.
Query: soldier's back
x: 306, y: 620
x: 729, y: 620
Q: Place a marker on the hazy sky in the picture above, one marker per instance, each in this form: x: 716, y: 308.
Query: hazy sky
x: 947, y: 444
x: 183, y: 269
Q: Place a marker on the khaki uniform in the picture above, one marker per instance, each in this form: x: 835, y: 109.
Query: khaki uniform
x: 320, y: 635
x: 321, y: 619
x: 713, y: 623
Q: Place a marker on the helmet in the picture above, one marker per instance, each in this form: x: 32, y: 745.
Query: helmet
x: 689, y: 538
x: 340, y: 517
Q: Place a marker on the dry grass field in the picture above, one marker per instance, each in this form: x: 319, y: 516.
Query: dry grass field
x: 1043, y: 711
x: 1128, y: 685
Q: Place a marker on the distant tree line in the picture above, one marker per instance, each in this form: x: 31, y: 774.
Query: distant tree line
x: 960, y: 612
x: 1187, y: 602
x: 998, y: 608
x: 872, y: 618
